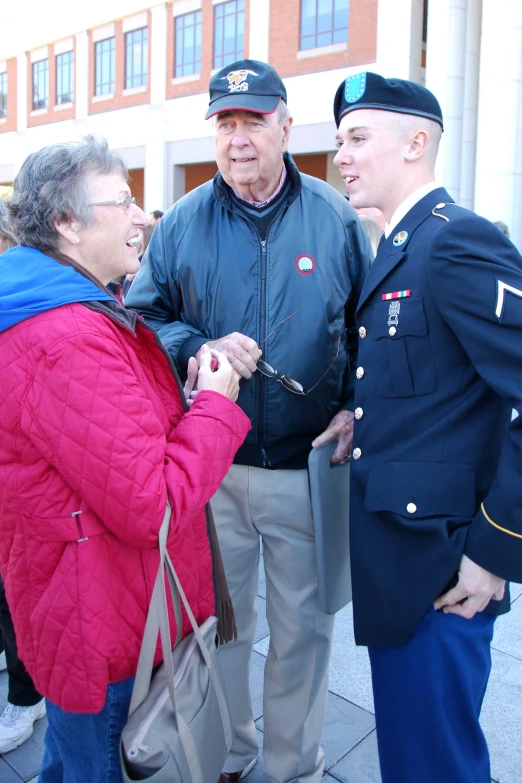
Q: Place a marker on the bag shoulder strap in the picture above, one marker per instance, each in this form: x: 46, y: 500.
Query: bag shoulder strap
x: 157, y: 622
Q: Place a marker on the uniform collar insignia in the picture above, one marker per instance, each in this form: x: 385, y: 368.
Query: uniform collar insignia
x: 400, y: 238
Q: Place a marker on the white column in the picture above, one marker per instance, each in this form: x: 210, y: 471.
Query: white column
x: 155, y: 146
x: 445, y: 74
x: 471, y: 93
x: 259, y: 33
x: 178, y: 182
x: 498, y: 188
x: 81, y: 88
x: 332, y: 174
x: 22, y: 91
x: 155, y: 160
x: 158, y: 53
x: 399, y: 39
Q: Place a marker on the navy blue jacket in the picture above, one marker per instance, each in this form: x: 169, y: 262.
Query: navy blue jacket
x: 207, y: 273
x: 438, y: 464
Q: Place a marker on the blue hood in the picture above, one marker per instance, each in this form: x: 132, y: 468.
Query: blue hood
x: 32, y: 283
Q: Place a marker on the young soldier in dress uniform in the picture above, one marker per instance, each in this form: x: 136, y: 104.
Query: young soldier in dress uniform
x: 436, y: 517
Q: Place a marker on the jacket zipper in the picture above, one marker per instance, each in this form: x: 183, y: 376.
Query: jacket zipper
x: 262, y: 329
x: 164, y: 695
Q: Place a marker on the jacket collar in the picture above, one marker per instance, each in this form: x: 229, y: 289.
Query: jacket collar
x: 116, y: 312
x: 390, y: 254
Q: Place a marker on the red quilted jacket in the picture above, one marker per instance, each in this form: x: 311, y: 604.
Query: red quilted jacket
x: 91, y: 420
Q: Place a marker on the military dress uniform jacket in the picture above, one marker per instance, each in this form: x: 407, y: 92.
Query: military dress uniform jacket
x: 436, y: 464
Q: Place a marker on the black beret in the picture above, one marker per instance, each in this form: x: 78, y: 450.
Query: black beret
x: 371, y: 91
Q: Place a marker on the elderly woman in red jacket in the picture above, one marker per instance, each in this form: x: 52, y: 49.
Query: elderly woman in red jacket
x: 95, y: 437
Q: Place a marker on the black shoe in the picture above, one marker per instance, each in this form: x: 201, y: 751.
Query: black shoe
x: 234, y: 777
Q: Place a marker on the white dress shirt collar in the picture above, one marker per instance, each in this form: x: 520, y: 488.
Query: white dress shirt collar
x: 407, y: 204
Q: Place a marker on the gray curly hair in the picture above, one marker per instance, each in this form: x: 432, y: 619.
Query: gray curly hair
x: 6, y: 230
x: 53, y: 186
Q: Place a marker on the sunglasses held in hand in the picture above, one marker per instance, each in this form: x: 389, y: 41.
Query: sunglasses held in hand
x: 288, y: 383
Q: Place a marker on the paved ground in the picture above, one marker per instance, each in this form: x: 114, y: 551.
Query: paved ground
x: 349, y: 732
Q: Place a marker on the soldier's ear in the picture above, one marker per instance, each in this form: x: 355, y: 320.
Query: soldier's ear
x: 418, y: 143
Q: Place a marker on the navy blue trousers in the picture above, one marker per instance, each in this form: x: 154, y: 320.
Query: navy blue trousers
x: 428, y: 694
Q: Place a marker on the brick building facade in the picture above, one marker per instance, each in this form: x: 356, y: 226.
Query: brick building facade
x: 138, y: 74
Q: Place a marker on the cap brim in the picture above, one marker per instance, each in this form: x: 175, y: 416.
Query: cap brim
x: 260, y: 104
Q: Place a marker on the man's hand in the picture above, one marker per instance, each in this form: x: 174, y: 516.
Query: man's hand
x: 241, y: 351
x: 474, y: 590
x: 341, y: 430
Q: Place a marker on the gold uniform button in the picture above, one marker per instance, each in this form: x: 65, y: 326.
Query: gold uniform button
x: 358, y: 413
x: 411, y: 508
x: 362, y: 332
x: 356, y: 454
x: 392, y: 331
x: 359, y: 373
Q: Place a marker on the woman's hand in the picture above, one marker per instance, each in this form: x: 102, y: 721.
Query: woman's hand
x: 223, y: 378
x: 190, y: 389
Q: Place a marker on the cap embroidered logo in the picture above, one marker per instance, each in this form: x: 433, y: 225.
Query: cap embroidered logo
x: 237, y: 80
x: 354, y: 87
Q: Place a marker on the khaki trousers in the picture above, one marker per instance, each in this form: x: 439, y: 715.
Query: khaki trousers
x: 275, y: 504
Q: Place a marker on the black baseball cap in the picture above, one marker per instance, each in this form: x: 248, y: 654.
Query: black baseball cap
x: 371, y: 91
x: 246, y: 85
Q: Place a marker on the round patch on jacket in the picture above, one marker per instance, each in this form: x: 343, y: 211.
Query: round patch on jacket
x: 305, y: 264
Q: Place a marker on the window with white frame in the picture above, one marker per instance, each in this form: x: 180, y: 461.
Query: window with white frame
x: 104, y: 52
x: 41, y: 84
x: 136, y: 58
x: 3, y: 95
x: 64, y: 78
x: 229, y: 32
x: 323, y: 22
x: 187, y: 56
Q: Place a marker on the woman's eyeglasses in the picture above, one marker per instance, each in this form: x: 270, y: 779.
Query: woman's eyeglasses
x: 124, y: 203
x: 288, y: 383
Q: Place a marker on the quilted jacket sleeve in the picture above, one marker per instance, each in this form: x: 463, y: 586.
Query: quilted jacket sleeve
x: 93, y: 422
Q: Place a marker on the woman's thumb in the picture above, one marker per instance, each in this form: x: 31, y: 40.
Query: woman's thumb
x: 205, y: 356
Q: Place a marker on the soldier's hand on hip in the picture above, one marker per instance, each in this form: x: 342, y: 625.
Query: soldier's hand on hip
x: 473, y: 592
x: 241, y: 351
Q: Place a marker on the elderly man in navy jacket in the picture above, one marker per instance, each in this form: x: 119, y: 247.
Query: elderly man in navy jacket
x: 436, y: 462
x: 266, y: 261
